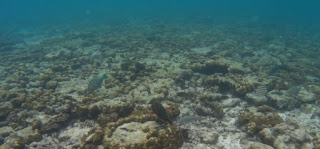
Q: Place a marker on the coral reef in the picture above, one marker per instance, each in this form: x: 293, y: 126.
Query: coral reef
x: 234, y: 84
x: 207, y: 108
x: 287, y: 135
x: 168, y: 86
x: 139, y: 130
x: 54, y: 123
x: 256, y: 119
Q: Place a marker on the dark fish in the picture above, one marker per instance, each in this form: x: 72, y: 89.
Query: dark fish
x: 160, y: 111
x: 95, y: 83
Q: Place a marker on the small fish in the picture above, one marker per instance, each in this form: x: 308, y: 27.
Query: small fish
x: 95, y: 83
x: 97, y: 55
x: 160, y: 111
x: 188, y: 119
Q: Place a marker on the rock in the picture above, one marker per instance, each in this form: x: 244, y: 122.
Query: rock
x: 12, y: 143
x: 266, y: 136
x: 237, y: 68
x: 257, y: 145
x: 65, y: 108
x: 35, y: 84
x: 144, y: 135
x: 59, y: 68
x: 32, y: 137
x: 124, y: 109
x: 229, y: 84
x: 211, y: 68
x: 305, y: 96
x: 185, y: 75
x: 46, y: 143
x: 5, y: 110
x: 298, y: 135
x: 207, y: 108
x: 51, y: 85
x: 281, y: 100
x: 307, y: 145
x: 255, y: 119
x: 54, y: 123
x: 287, y: 136
x: 230, y: 102
x: 211, y: 138
x: 282, y: 142
x: 95, y: 137
x: 36, y: 124
x: 16, y: 102
x: 138, y: 67
x: 104, y: 119
x: 138, y: 130
x: 5, y: 131
x: 255, y: 99
x: 11, y: 95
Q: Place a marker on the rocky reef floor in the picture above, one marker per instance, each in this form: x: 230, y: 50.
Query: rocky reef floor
x: 223, y: 86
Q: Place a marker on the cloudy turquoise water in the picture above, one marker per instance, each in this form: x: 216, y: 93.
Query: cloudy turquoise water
x: 58, y: 12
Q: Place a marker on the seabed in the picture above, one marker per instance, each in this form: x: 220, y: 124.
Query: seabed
x: 223, y: 86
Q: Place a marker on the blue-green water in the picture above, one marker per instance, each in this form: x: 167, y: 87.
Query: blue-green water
x: 75, y: 12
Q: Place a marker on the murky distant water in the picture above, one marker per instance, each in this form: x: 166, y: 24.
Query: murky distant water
x: 80, y: 12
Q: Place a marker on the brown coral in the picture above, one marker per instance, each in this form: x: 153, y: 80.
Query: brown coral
x: 255, y: 119
x: 138, y: 131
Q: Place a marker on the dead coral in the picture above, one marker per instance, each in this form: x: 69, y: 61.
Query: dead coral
x: 92, y: 111
x: 51, y: 85
x: 139, y: 130
x: 287, y: 135
x: 14, y: 143
x: 119, y: 135
x: 211, y: 68
x: 255, y: 119
x: 235, y: 84
x: 214, y: 110
x: 55, y: 123
x: 4, y: 111
x: 104, y: 119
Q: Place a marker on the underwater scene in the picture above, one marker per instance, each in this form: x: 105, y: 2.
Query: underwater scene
x: 170, y: 74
